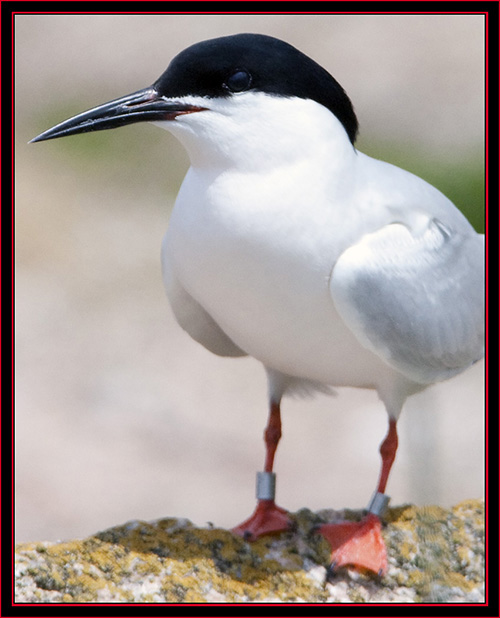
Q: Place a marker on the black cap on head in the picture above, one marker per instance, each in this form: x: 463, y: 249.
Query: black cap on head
x: 222, y: 66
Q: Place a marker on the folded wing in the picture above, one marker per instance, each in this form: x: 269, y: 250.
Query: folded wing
x: 415, y: 297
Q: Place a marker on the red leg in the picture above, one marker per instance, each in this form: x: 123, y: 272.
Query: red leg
x: 267, y: 517
x: 272, y: 435
x: 388, y: 450
x: 360, y: 544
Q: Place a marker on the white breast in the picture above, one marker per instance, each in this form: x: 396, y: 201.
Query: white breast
x: 259, y: 263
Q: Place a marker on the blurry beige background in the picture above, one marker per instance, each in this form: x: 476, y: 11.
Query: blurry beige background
x: 120, y: 415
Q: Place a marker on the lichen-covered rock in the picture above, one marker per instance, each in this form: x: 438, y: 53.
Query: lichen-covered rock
x: 435, y: 555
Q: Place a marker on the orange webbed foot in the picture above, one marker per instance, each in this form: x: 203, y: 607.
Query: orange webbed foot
x: 357, y: 544
x: 268, y: 518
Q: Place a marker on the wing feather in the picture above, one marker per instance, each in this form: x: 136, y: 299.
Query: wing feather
x: 415, y: 297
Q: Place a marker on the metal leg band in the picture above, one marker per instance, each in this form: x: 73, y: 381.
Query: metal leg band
x: 378, y: 504
x: 266, y: 485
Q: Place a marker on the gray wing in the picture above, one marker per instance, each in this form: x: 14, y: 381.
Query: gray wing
x: 415, y: 297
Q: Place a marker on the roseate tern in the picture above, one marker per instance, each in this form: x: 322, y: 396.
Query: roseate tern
x: 289, y: 245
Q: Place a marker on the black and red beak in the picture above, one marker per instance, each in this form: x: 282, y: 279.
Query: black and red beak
x: 140, y: 106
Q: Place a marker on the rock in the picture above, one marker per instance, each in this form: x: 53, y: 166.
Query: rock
x: 435, y: 556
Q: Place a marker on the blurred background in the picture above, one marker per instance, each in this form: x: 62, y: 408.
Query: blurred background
x: 119, y: 414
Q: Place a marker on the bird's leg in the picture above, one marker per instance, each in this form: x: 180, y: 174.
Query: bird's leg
x: 388, y: 450
x: 360, y: 544
x: 267, y: 517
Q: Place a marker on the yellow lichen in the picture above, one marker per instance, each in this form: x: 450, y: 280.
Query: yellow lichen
x: 408, y: 550
x: 457, y: 580
x: 416, y: 579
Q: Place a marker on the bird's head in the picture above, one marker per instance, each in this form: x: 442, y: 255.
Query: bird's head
x: 234, y: 94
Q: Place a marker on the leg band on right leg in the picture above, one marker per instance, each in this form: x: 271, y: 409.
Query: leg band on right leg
x: 266, y: 485
x: 378, y: 504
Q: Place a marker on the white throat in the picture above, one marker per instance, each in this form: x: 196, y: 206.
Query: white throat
x: 257, y: 132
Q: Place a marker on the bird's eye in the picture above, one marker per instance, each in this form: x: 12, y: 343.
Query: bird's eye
x: 238, y: 81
